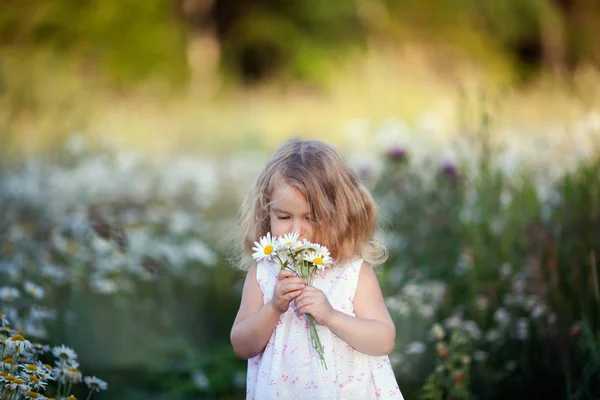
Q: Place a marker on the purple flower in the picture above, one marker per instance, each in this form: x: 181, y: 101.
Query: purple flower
x: 397, y: 153
x: 450, y: 170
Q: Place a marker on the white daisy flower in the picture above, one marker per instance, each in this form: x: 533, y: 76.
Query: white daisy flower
x: 72, y: 374
x: 35, y: 382
x: 18, y: 384
x: 3, y: 320
x: 38, y: 369
x: 95, y: 384
x: 415, y: 348
x: 7, y: 364
x: 265, y: 249
x: 289, y: 240
x: 8, y: 293
x: 64, y: 353
x: 35, y: 291
x: 309, y: 246
x: 200, y: 380
x: 35, y: 395
x: 18, y: 343
x: 321, y: 259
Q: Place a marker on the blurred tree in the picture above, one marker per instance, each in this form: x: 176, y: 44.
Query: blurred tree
x: 297, y: 39
x: 132, y: 40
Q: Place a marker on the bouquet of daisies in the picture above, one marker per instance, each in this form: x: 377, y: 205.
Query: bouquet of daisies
x: 302, y: 257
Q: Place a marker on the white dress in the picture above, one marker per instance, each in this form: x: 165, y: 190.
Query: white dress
x: 289, y: 367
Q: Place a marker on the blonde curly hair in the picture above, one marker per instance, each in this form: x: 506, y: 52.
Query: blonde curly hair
x: 342, y: 208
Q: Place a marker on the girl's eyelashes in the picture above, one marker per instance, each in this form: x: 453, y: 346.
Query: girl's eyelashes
x: 283, y: 217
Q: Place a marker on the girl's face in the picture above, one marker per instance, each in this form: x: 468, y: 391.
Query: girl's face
x: 289, y: 212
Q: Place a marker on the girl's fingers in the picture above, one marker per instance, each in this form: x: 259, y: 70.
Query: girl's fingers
x: 290, y: 288
x: 285, y: 274
x: 292, y: 295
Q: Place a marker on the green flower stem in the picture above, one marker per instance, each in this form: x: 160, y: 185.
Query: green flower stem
x: 314, y: 338
x: 89, y: 396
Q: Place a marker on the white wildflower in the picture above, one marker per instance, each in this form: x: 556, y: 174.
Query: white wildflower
x: 35, y: 291
x: 200, y: 380
x: 453, y: 322
x: 398, y: 305
x: 473, y: 329
x: 501, y: 316
x: 263, y: 250
x: 95, y: 384
x: 55, y: 273
x: 538, y: 310
x: 320, y: 259
x: 64, y: 353
x: 426, y: 310
x: 438, y: 332
x: 197, y: 250
x: 493, y: 335
x: 18, y: 343
x: 9, y: 293
x: 289, y: 240
x: 415, y: 348
x: 523, y: 329
x: 103, y: 285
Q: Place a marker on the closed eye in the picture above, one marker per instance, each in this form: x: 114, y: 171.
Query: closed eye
x: 281, y: 217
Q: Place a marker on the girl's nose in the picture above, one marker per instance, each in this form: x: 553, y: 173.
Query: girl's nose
x: 297, y: 227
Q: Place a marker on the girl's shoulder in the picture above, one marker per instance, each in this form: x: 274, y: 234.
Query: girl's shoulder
x: 354, y: 262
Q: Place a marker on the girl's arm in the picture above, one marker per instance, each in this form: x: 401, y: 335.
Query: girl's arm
x: 255, y: 322
x: 372, y: 331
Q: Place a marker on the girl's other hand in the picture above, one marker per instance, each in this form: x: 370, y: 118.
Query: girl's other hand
x: 314, y: 302
x: 287, y: 288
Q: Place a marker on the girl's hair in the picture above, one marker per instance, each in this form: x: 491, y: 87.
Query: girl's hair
x: 342, y: 209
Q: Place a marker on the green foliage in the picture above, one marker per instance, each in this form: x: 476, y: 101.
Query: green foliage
x: 451, y: 376
x: 131, y: 40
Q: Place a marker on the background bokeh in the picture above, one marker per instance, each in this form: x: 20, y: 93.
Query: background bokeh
x: 132, y: 130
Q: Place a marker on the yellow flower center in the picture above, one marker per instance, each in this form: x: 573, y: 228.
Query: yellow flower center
x: 7, y: 359
x: 34, y: 379
x: 17, y: 338
x: 318, y: 260
x: 71, y: 397
x: 18, y: 382
x: 48, y: 366
x: 268, y: 249
x: 9, y: 378
x: 73, y: 369
x: 33, y: 395
x: 31, y: 367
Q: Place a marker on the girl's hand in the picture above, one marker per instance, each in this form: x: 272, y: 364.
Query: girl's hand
x: 287, y: 288
x: 314, y: 302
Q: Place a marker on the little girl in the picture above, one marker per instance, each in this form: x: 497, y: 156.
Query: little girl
x: 307, y: 188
